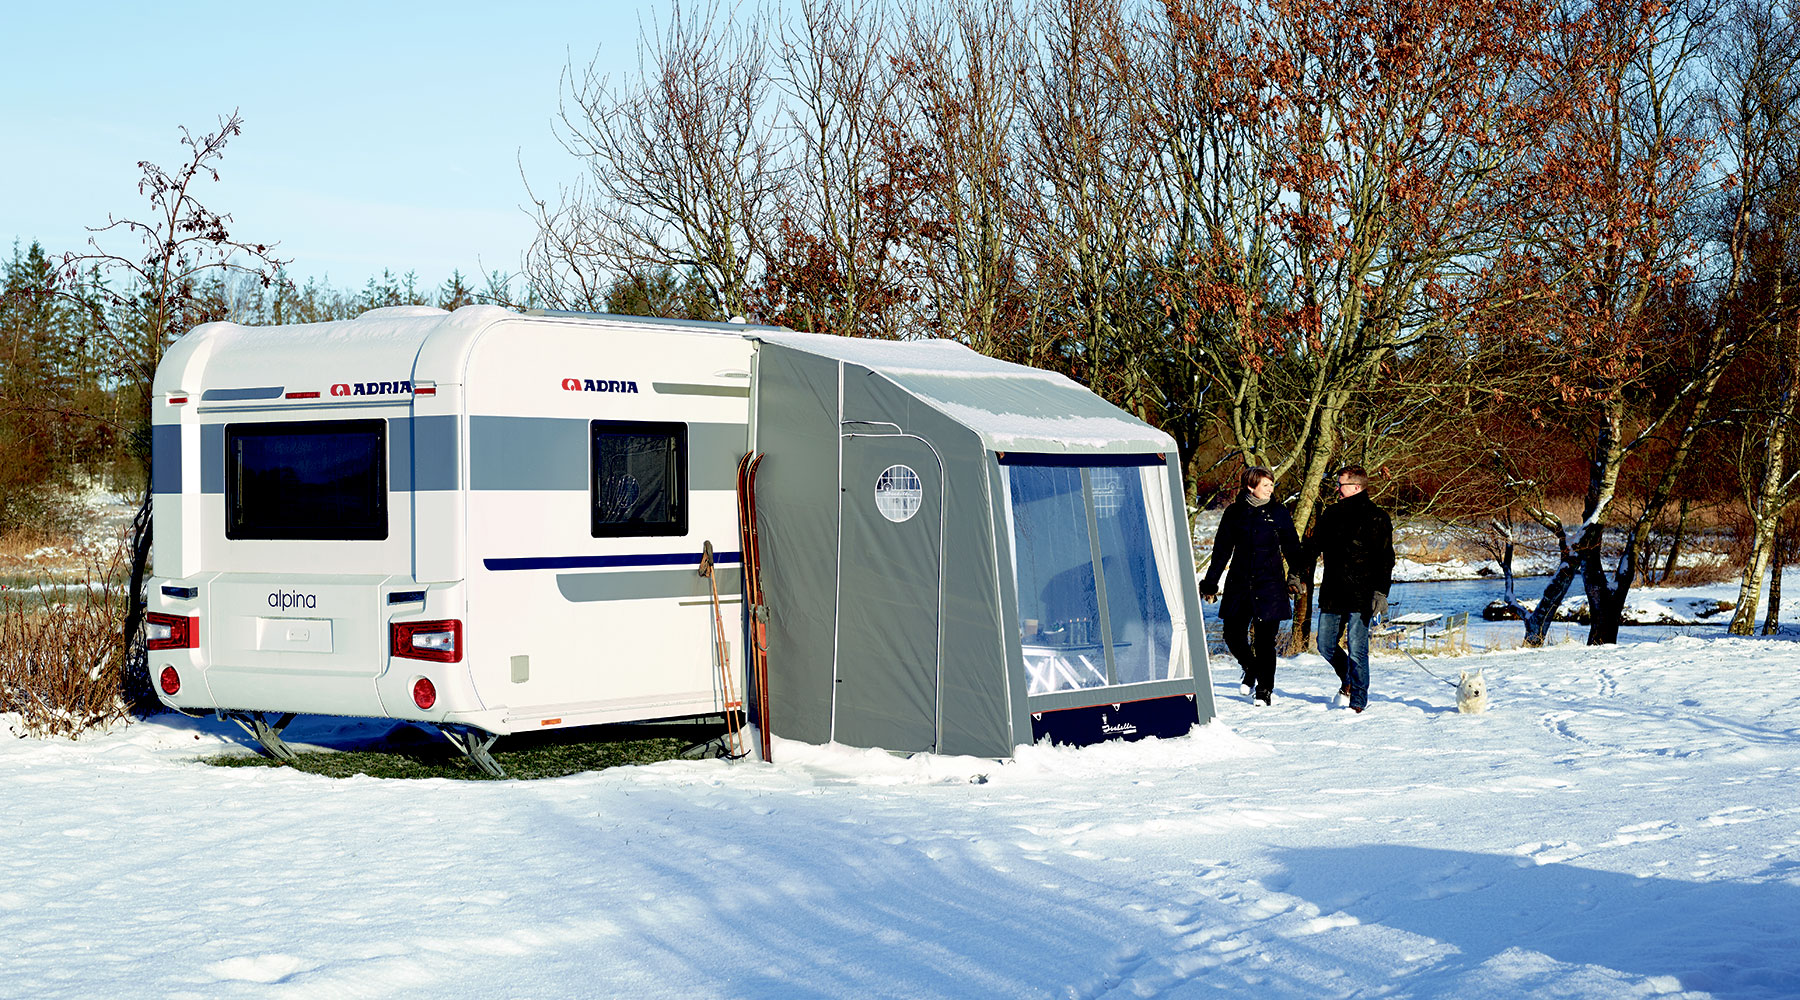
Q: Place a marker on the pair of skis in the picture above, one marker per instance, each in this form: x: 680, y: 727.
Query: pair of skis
x: 753, y: 594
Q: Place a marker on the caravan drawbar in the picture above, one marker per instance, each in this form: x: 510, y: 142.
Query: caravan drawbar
x: 493, y: 523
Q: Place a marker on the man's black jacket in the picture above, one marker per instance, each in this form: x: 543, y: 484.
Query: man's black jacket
x: 1356, y: 539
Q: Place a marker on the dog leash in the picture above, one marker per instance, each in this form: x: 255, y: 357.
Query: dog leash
x: 1423, y: 667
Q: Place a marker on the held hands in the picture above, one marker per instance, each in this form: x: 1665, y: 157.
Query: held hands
x: 1380, y: 605
x: 1209, y: 592
x: 1295, y: 584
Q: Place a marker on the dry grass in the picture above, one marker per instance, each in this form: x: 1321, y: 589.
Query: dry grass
x: 61, y: 661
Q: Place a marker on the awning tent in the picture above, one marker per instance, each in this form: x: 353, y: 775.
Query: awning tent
x: 962, y: 555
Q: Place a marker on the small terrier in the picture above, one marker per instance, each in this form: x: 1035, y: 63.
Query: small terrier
x: 1471, y: 693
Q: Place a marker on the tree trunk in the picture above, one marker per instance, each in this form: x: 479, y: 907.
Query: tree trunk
x: 1675, y: 542
x: 1772, y: 623
x: 1743, y: 617
x: 1766, y: 508
x: 1606, y: 594
x: 1537, y: 622
x: 136, y: 677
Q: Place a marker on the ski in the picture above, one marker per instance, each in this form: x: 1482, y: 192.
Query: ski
x: 753, y: 595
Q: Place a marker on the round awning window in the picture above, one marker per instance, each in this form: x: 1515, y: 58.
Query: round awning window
x: 898, y: 492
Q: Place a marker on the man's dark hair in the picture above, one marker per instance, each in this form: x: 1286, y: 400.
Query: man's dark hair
x: 1254, y: 475
x: 1357, y: 475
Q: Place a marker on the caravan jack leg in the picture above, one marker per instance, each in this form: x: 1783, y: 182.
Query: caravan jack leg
x: 269, y: 736
x: 473, y: 744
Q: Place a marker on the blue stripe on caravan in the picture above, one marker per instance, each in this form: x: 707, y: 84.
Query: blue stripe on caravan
x: 1076, y: 460
x: 165, y: 458
x: 609, y: 562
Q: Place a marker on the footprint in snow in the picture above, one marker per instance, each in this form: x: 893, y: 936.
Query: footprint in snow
x: 1737, y: 814
x: 273, y: 968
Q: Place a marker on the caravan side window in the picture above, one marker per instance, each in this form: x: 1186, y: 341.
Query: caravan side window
x: 639, y: 478
x: 311, y: 480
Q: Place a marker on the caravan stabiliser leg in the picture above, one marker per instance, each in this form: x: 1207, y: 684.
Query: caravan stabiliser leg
x: 473, y: 744
x: 269, y: 736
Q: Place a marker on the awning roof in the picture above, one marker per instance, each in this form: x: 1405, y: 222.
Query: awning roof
x: 1012, y: 407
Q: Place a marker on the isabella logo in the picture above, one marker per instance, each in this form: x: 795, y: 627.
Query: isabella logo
x: 598, y: 385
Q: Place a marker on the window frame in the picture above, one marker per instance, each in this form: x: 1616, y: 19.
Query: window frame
x: 679, y: 490
x: 374, y: 530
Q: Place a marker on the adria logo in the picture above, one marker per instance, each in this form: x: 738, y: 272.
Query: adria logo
x: 598, y: 385
x: 372, y: 388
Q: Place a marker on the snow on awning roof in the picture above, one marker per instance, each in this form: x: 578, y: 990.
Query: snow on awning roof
x: 1012, y: 407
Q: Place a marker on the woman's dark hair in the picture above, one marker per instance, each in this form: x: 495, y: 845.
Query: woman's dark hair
x: 1253, y: 475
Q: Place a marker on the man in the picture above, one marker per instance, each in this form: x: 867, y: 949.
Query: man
x: 1356, y: 540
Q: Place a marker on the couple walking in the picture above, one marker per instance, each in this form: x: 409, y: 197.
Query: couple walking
x: 1356, y: 540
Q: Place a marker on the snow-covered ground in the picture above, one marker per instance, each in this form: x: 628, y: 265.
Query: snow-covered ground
x: 1622, y: 823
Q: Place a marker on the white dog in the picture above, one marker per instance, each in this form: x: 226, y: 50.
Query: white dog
x: 1471, y: 693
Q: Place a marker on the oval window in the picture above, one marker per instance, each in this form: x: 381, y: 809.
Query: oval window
x: 898, y: 492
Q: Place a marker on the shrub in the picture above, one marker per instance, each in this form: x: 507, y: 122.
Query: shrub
x: 61, y: 660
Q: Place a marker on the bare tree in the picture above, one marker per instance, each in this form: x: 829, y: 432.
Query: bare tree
x: 681, y: 168
x: 1088, y: 215
x: 1634, y: 382
x: 961, y: 73
x: 152, y: 299
x: 1759, y: 76
x: 836, y: 263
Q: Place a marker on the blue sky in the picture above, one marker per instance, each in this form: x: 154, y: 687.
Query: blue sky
x: 385, y: 135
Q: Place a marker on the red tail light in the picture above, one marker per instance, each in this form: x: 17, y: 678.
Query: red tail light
x: 437, y: 641
x: 424, y: 694
x: 170, y: 632
x: 171, y: 681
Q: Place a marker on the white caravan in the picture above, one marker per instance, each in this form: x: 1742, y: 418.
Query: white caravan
x: 484, y: 521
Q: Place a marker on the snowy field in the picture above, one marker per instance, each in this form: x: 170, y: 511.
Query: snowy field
x: 1622, y: 823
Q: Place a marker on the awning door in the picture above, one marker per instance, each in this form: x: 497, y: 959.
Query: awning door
x: 890, y: 593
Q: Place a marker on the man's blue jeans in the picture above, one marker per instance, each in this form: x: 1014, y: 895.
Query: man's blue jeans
x: 1352, y: 670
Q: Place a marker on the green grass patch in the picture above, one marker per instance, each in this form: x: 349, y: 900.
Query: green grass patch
x: 416, y: 753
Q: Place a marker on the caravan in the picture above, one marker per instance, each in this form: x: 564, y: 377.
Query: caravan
x: 494, y: 523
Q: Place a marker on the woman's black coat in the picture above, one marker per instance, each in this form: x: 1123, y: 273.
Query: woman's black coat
x: 1253, y: 540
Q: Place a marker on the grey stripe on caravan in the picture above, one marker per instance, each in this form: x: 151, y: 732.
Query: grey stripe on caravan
x: 433, y: 438
x: 226, y: 395
x: 425, y: 459
x: 696, y: 389
x: 551, y: 453
x: 212, y: 458
x: 642, y: 585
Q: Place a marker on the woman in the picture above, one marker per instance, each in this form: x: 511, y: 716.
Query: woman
x: 1254, y: 535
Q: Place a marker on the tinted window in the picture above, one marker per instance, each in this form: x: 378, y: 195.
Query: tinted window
x: 639, y: 484
x: 323, y: 479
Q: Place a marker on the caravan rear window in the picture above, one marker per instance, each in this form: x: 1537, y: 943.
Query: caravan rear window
x: 318, y: 479
x: 639, y: 478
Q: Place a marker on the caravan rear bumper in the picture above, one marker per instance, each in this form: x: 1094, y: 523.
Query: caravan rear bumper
x: 310, y: 645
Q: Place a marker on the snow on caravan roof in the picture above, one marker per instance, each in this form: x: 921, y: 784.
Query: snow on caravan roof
x: 379, y: 344
x: 1012, y: 407
x: 384, y: 343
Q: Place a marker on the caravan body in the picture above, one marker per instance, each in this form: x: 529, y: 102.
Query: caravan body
x: 474, y: 519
